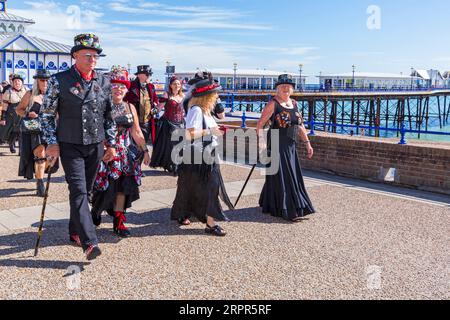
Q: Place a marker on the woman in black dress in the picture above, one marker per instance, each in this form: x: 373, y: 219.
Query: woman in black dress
x: 284, y: 193
x: 32, y: 148
x: 172, y: 120
x: 200, y: 183
x: 117, y: 183
x: 9, y: 120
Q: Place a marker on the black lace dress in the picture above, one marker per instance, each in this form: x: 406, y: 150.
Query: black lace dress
x: 284, y: 194
x: 121, y: 175
x: 29, y: 142
x: 172, y: 120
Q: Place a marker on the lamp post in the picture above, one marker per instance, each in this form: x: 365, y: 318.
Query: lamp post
x: 168, y: 75
x: 234, y: 78
x: 320, y: 81
x: 300, y: 66
x: 353, y: 79
x: 129, y: 67
x: 412, y: 78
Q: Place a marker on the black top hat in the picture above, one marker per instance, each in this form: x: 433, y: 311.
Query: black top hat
x: 42, y: 74
x: 86, y: 41
x: 206, y: 85
x: 285, y: 79
x: 145, y: 69
x: 17, y: 76
x: 199, y: 76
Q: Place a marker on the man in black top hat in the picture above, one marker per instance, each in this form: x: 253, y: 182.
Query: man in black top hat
x: 142, y: 95
x: 80, y: 98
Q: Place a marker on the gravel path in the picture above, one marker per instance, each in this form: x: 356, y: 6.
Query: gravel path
x: 358, y: 245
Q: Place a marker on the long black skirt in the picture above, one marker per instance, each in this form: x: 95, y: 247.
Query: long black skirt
x: 28, y: 143
x: 198, y: 194
x: 105, y: 200
x: 284, y: 194
x: 162, y: 150
x: 11, y: 129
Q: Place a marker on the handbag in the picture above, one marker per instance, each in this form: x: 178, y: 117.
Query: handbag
x: 29, y: 125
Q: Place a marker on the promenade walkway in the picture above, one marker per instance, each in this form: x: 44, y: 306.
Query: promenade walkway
x: 366, y: 241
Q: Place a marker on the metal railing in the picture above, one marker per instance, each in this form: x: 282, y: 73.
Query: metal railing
x: 402, y: 131
x: 321, y: 88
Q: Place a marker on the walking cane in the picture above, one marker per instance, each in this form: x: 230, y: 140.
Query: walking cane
x: 245, y: 184
x: 41, y: 224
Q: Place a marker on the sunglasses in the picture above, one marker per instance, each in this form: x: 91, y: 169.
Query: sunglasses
x: 89, y: 56
x: 118, y: 86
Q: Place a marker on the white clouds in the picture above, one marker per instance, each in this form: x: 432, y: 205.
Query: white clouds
x: 170, y: 36
x: 44, y: 5
x: 159, y: 10
x: 193, y: 17
x: 192, y: 24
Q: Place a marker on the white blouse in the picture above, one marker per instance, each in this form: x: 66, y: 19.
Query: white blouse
x: 194, y: 120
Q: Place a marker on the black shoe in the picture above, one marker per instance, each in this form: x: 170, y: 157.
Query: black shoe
x: 93, y: 252
x: 40, y: 188
x: 96, y: 219
x: 12, y: 149
x: 184, y: 221
x: 215, y: 231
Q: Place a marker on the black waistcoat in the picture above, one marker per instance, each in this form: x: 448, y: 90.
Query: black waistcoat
x: 83, y: 107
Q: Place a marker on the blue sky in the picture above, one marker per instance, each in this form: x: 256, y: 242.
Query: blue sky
x: 326, y: 36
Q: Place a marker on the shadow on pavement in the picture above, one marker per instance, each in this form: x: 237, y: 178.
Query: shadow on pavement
x: 13, y: 192
x: 42, y: 264
x: 54, y: 180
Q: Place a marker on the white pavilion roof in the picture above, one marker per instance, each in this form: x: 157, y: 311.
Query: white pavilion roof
x: 422, y: 74
x: 13, y: 18
x: 34, y: 44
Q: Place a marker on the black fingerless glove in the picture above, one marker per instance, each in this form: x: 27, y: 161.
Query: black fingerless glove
x: 218, y: 109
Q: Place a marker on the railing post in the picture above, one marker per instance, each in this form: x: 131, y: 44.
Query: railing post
x: 311, y: 126
x: 244, y: 119
x: 232, y: 102
x: 402, y: 133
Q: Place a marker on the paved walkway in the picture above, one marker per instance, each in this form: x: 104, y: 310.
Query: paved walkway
x: 21, y: 218
x: 366, y: 241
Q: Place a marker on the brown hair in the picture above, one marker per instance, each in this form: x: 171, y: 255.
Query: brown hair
x: 179, y: 93
x: 206, y: 102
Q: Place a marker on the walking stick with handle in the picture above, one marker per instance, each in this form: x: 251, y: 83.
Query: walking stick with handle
x: 41, y: 224
x: 245, y: 184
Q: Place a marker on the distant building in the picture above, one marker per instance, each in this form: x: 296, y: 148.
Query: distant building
x: 246, y: 79
x: 446, y: 77
x: 371, y: 81
x: 23, y: 54
x: 430, y: 78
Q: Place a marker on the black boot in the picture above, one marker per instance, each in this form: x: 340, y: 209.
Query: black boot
x: 118, y: 226
x: 40, y: 188
x: 12, y: 148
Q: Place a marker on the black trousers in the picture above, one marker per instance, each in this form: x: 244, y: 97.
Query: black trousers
x: 80, y: 165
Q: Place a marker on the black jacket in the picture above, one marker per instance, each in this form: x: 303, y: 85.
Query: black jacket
x: 83, y: 108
